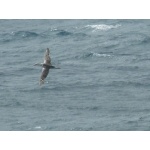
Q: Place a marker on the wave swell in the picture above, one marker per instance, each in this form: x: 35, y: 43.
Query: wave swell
x: 8, y: 37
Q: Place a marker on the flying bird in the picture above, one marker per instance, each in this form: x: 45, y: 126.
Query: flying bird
x: 45, y: 66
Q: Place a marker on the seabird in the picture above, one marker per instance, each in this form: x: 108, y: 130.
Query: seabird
x: 46, y: 66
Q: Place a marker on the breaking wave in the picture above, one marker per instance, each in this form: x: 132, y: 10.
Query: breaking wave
x: 102, y: 27
x: 93, y: 54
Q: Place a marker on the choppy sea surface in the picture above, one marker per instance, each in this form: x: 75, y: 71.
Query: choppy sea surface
x: 103, y: 83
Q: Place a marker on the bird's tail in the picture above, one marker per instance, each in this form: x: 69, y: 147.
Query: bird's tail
x: 41, y: 82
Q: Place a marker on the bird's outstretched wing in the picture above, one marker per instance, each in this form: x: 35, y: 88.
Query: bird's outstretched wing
x: 44, y: 74
x: 46, y: 66
x: 47, y: 59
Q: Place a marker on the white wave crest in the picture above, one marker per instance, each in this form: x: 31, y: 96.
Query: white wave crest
x: 103, y: 27
x: 101, y: 55
x: 53, y: 29
x: 38, y: 127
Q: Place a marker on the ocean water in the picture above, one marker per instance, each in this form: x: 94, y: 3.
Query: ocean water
x: 103, y: 83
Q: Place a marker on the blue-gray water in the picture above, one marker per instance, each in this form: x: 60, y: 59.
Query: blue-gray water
x: 103, y: 83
